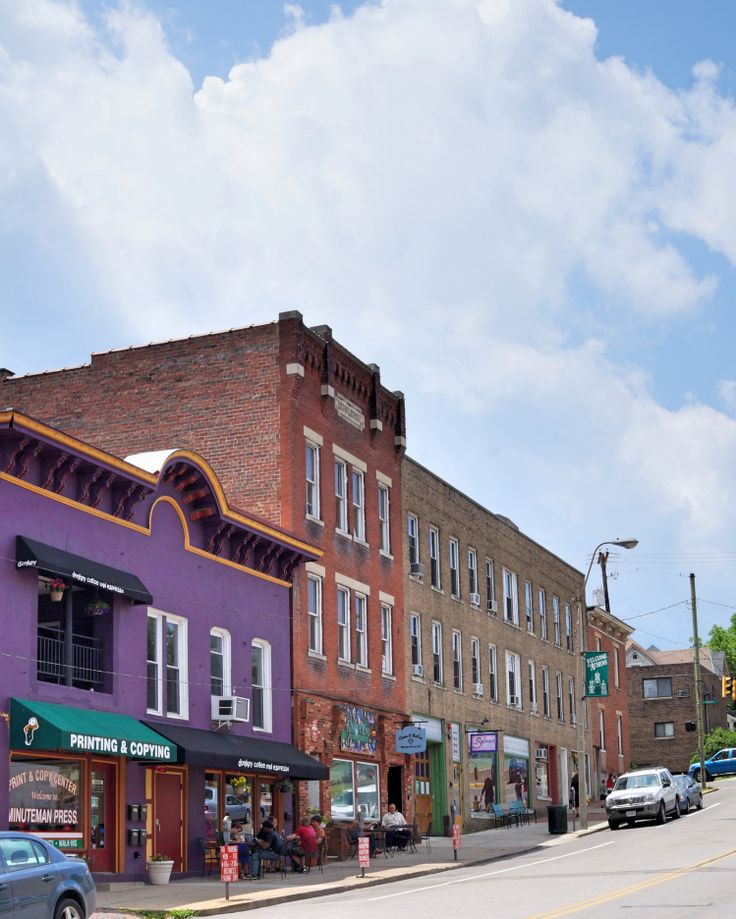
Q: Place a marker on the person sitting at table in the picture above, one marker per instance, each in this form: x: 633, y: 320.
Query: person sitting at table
x: 304, y: 841
x: 316, y: 824
x: 267, y: 847
x: 354, y: 832
x: 238, y: 838
x: 397, y: 830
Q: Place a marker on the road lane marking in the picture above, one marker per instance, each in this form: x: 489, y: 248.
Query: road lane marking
x: 632, y: 888
x: 490, y: 874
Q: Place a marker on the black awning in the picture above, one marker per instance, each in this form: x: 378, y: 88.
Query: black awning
x: 77, y: 570
x: 240, y: 754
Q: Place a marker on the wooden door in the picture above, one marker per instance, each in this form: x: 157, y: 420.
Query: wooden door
x: 422, y: 790
x: 168, y: 815
x: 103, y: 816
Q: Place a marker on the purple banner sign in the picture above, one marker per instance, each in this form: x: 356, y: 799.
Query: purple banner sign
x: 483, y: 742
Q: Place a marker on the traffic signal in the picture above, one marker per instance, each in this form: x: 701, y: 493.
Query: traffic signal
x: 689, y: 725
x: 728, y: 687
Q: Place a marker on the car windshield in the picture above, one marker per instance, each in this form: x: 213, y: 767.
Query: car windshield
x: 680, y: 780
x: 636, y: 781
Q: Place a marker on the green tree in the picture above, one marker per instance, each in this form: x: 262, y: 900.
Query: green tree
x: 715, y: 741
x: 725, y: 640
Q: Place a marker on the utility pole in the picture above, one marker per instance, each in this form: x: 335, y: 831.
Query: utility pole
x: 696, y: 666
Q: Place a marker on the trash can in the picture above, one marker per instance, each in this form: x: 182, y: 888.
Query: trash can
x: 557, y: 818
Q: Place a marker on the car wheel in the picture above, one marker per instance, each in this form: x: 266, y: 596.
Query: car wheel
x: 676, y: 811
x: 661, y: 815
x: 708, y: 776
x: 699, y: 805
x: 68, y: 909
x: 696, y: 775
x: 613, y: 824
x: 685, y: 805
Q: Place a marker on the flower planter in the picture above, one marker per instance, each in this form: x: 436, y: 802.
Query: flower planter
x: 56, y: 595
x: 159, y: 872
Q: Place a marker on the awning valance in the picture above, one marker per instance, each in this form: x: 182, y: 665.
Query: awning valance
x: 48, y: 726
x: 241, y: 754
x: 29, y: 553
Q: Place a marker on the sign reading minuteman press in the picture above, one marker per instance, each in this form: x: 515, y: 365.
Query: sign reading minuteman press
x: 596, y: 674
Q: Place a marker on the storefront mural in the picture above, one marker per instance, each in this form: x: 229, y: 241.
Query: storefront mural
x: 359, y: 733
x: 515, y: 779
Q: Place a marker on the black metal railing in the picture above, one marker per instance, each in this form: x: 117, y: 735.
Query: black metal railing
x: 85, y: 664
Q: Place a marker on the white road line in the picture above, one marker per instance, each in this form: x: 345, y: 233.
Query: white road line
x: 490, y: 874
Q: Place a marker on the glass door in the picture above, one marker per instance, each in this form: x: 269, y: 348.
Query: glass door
x: 102, y: 829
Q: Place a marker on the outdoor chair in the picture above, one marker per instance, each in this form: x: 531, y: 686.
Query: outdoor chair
x: 426, y: 838
x: 518, y: 811
x: 210, y: 855
x: 320, y: 856
x: 500, y: 816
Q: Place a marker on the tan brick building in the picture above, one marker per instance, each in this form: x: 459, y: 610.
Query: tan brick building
x: 662, y: 700
x: 609, y: 716
x: 491, y: 647
x: 303, y: 433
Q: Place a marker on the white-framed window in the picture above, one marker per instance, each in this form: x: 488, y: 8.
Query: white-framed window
x: 474, y: 662
x: 528, y: 606
x: 454, y: 572
x: 556, y: 621
x: 168, y: 677
x: 620, y: 734
x: 542, y: 597
x: 361, y: 630
x: 545, y: 693
x: 532, y: 670
x: 510, y: 597
x: 387, y: 645
x: 384, y: 518
x: 437, y: 652
x: 415, y: 637
x: 560, y: 708
x: 261, y: 693
x: 473, y: 574
x: 492, y: 673
x: 568, y: 628
x: 312, y: 476
x: 314, y: 611
x: 343, y: 624
x: 513, y: 679
x: 457, y: 660
x: 412, y: 535
x: 434, y: 558
x: 220, y: 662
x: 616, y: 674
x: 358, y: 488
x: 602, y: 728
x: 571, y: 700
x: 341, y: 496
x: 490, y: 587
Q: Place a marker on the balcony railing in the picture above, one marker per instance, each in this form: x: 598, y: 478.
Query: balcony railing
x: 85, y: 664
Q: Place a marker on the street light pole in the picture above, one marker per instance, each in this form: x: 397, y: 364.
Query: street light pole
x: 582, y: 715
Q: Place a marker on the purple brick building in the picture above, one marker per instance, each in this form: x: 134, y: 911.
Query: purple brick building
x: 151, y: 697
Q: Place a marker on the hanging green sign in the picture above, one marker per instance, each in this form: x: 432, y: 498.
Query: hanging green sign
x: 596, y: 674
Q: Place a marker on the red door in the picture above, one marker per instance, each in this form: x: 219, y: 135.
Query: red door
x: 102, y: 816
x: 168, y: 810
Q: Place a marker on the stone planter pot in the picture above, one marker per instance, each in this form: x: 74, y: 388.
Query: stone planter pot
x: 159, y: 872
x: 56, y: 595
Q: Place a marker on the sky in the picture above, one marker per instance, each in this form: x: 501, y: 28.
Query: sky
x: 522, y: 210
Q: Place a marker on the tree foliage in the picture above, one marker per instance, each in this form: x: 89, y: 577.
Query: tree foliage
x: 721, y: 639
x: 715, y: 741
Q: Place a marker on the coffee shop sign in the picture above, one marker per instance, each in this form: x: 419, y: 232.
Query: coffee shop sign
x: 411, y: 740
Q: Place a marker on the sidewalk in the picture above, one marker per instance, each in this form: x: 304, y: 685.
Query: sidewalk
x: 206, y: 896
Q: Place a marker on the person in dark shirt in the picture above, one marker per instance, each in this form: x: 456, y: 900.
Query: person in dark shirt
x: 267, y: 848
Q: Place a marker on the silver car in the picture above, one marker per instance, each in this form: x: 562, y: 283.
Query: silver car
x: 647, y: 794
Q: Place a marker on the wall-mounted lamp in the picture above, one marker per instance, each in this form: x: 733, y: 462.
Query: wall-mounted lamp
x: 5, y: 716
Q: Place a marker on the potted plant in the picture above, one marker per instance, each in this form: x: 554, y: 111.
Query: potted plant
x: 56, y: 589
x: 286, y: 786
x: 159, y: 868
x: 97, y: 607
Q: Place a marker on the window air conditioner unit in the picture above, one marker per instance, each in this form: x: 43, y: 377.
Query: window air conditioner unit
x: 514, y: 701
x: 417, y: 569
x: 230, y: 708
x: 477, y: 689
x: 417, y: 670
x: 535, y: 709
x: 475, y: 599
x: 541, y: 753
x: 682, y: 693
x: 492, y: 606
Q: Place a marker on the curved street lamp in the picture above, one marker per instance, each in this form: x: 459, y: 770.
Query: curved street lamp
x: 582, y: 623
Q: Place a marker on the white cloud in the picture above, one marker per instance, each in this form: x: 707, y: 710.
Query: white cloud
x: 446, y: 183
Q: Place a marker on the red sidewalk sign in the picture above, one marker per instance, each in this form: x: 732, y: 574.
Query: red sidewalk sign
x: 364, y: 852
x: 457, y: 840
x: 228, y: 863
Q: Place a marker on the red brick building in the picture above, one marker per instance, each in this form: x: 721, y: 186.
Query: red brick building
x: 301, y: 432
x: 609, y: 716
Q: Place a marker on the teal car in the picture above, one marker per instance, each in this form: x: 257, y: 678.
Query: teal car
x: 721, y: 763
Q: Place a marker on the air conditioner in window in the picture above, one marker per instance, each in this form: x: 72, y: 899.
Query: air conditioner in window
x: 417, y: 670
x: 514, y: 701
x: 416, y: 569
x: 230, y: 708
x: 492, y: 606
x: 475, y: 599
x: 540, y: 753
x: 477, y: 689
x: 682, y: 693
x: 534, y: 709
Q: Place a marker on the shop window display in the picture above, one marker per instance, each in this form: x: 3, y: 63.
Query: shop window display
x: 46, y: 798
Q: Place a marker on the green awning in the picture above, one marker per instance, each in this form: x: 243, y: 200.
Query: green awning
x: 48, y: 726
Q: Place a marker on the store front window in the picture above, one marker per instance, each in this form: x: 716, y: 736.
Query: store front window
x: 46, y: 798
x: 541, y: 773
x: 482, y: 785
x: 367, y: 781
x: 341, y: 790
x: 354, y: 782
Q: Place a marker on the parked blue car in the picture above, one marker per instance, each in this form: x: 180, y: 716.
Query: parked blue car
x: 721, y: 763
x: 38, y: 881
x: 691, y: 794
